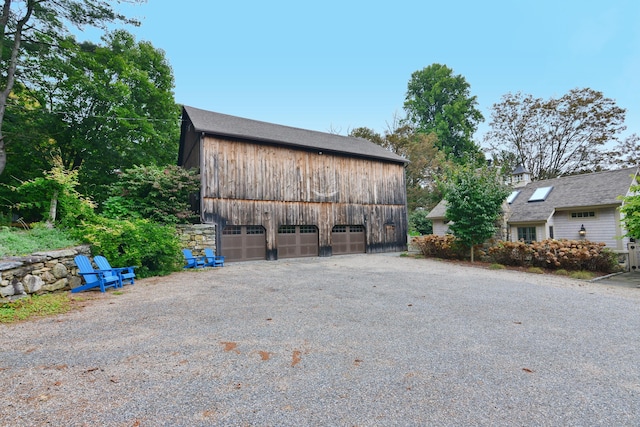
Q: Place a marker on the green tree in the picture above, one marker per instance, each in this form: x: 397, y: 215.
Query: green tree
x: 112, y: 107
x: 439, y: 102
x: 631, y: 211
x: 556, y: 137
x: 425, y: 161
x: 474, y: 203
x: 157, y: 193
x: 36, y: 25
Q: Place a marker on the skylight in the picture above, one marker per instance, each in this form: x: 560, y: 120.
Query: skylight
x: 540, y: 194
x: 512, y: 196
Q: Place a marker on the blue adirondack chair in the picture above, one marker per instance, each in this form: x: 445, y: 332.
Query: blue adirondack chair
x: 211, y: 259
x: 94, y: 278
x: 192, y: 262
x: 125, y: 273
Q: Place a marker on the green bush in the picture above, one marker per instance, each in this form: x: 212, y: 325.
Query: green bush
x: 419, y: 224
x: 153, y: 248
x: 157, y: 193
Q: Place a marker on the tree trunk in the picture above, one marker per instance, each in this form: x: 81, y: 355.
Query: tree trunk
x: 53, y: 210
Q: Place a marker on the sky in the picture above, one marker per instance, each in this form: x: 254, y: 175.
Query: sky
x: 333, y: 66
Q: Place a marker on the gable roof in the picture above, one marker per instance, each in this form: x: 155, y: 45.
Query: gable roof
x: 237, y: 127
x: 575, y: 191
x: 587, y: 190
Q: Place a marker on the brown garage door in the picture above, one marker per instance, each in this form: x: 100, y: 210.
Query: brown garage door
x: 295, y: 241
x: 244, y: 243
x: 347, y: 239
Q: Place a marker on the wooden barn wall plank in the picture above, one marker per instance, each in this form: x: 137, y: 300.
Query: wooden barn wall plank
x: 258, y: 184
x: 237, y: 170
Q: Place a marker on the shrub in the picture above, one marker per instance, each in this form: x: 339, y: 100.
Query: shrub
x: 496, y: 267
x: 419, y: 223
x: 555, y: 254
x: 511, y: 253
x: 535, y: 270
x: 446, y: 246
x: 153, y: 248
x: 158, y: 193
x: 562, y: 272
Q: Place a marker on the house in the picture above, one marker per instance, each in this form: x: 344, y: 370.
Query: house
x: 568, y: 207
x: 275, y: 191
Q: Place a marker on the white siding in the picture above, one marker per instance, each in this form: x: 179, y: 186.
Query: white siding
x: 439, y: 227
x: 604, y: 227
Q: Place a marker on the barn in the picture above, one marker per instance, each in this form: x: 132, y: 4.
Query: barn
x: 275, y: 191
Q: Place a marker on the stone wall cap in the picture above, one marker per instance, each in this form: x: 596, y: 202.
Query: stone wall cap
x: 9, y: 265
x: 58, y: 254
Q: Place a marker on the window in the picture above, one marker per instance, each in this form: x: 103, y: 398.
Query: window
x: 287, y: 229
x: 255, y: 229
x: 528, y: 234
x: 551, y: 231
x: 308, y: 229
x: 232, y: 229
x: 512, y: 196
x: 589, y: 214
x: 540, y: 194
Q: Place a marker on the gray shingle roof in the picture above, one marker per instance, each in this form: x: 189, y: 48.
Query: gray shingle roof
x: 587, y: 190
x: 237, y: 127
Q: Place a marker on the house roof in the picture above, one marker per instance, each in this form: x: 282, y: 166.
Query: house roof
x: 237, y: 127
x: 575, y: 191
x: 439, y: 210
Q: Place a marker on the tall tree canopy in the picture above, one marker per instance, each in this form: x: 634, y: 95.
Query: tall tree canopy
x: 36, y: 25
x: 425, y: 161
x: 101, y: 109
x: 555, y: 136
x: 439, y: 102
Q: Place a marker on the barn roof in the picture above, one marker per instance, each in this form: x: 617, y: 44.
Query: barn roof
x: 237, y: 127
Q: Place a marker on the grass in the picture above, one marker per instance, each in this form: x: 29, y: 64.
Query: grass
x: 23, y: 242
x: 582, y: 275
x: 36, y: 306
x: 497, y: 267
x: 535, y: 270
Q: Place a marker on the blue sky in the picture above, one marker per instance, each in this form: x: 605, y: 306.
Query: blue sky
x: 337, y: 65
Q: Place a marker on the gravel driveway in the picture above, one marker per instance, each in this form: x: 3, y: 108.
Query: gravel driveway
x: 357, y: 340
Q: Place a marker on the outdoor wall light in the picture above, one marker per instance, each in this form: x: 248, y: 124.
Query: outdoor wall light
x: 583, y: 231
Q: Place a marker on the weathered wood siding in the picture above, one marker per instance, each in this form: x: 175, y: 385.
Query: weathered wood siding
x: 246, y: 183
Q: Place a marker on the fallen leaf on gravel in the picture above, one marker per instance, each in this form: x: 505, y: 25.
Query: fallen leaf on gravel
x: 92, y: 369
x: 230, y: 346
x: 296, y: 357
x: 58, y: 383
x: 528, y: 370
x: 357, y: 362
x: 518, y: 323
x: 114, y: 380
x: 136, y: 423
x: 265, y: 355
x: 31, y: 350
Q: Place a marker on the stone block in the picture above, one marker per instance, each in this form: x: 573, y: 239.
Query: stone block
x: 7, y: 291
x: 47, y: 277
x: 32, y: 283
x: 74, y: 281
x: 59, y: 271
x: 60, y: 284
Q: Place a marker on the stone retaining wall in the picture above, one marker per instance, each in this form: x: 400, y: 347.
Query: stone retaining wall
x: 197, y: 237
x: 40, y: 272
